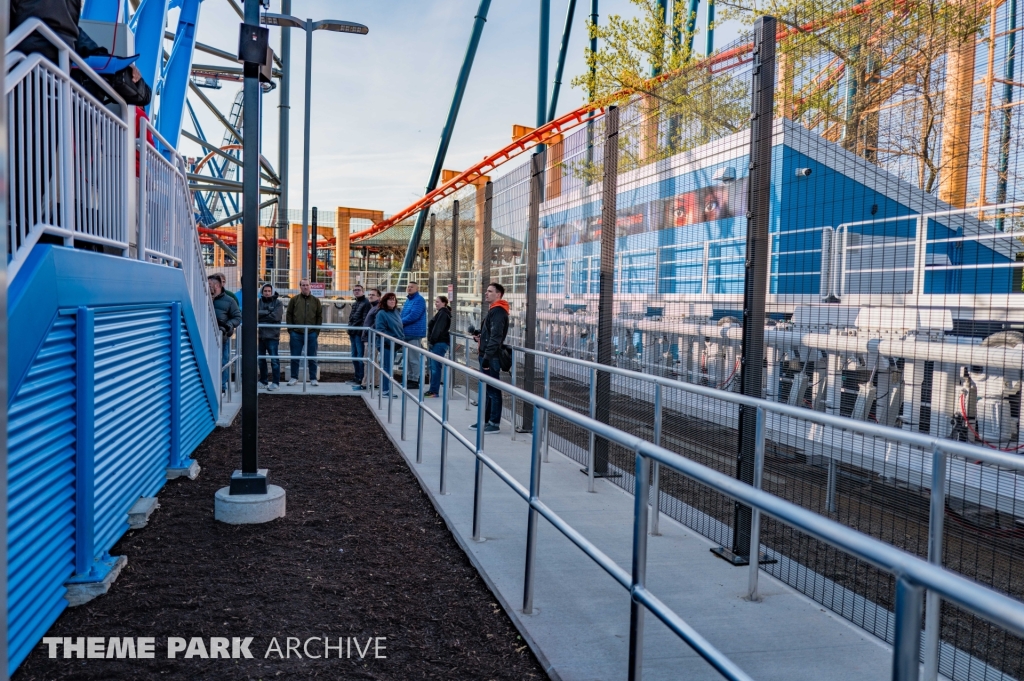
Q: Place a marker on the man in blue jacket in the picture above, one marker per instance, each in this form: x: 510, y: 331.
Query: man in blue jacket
x: 414, y: 315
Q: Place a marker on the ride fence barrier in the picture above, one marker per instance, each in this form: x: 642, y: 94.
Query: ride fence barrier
x: 825, y: 214
x: 913, y: 577
x: 69, y: 155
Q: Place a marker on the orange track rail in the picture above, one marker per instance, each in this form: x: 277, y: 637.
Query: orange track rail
x: 723, y: 61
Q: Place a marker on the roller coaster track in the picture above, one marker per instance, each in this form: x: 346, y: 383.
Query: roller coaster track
x: 716, y: 63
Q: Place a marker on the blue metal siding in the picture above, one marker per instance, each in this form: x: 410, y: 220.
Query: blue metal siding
x: 41, y: 492
x: 132, y: 413
x: 197, y: 420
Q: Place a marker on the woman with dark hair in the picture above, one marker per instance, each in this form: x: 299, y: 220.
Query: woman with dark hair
x: 389, y: 323
x: 437, y: 341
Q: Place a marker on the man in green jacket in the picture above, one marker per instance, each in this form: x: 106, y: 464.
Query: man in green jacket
x: 304, y: 310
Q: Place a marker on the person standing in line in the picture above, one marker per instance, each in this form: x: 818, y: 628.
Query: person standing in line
x: 490, y: 339
x: 437, y: 341
x: 304, y: 310
x: 414, y: 315
x: 373, y: 295
x: 356, y: 318
x: 270, y: 311
x: 389, y: 323
x: 229, y: 318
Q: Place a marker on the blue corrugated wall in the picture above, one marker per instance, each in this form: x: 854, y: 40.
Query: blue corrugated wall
x: 139, y: 327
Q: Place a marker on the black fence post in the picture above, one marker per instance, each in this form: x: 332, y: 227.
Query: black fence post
x: 312, y: 264
x: 485, y: 249
x: 455, y: 268
x: 606, y: 285
x: 755, y: 286
x: 532, y: 245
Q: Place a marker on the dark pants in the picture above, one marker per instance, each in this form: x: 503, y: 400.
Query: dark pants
x: 492, y: 407
x: 225, y: 357
x: 295, y: 339
x: 436, y: 369
x: 356, y: 340
x: 269, y: 346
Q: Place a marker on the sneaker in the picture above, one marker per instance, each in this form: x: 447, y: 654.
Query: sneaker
x: 492, y: 428
x: 293, y: 381
x: 314, y: 382
x: 429, y: 394
x: 261, y: 386
x: 358, y: 387
x: 472, y: 426
x: 273, y: 386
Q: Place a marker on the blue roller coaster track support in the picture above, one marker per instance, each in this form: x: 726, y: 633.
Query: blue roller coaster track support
x: 174, y: 86
x: 691, y: 25
x: 563, y: 48
x: 148, y: 25
x: 446, y: 133
x: 542, y: 62
x: 709, y: 29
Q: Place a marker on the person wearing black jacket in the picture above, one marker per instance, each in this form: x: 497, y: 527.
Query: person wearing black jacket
x: 270, y: 311
x: 490, y: 339
x: 357, y: 319
x: 437, y: 341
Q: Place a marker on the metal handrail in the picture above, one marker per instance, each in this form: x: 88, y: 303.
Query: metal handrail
x: 913, y: 575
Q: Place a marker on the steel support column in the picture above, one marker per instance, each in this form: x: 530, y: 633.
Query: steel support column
x: 485, y: 264
x: 756, y: 273
x: 250, y: 479
x: 562, y: 49
x: 283, y: 146
x: 455, y: 270
x: 446, y: 133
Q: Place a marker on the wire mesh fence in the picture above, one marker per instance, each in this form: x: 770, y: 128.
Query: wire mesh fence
x: 892, y: 287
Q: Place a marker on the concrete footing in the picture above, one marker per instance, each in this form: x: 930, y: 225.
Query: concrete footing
x: 138, y: 515
x: 107, y: 570
x: 191, y: 471
x: 249, y: 509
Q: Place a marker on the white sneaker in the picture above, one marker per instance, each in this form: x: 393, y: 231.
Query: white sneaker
x: 314, y: 382
x: 293, y: 381
x: 261, y: 386
x: 273, y: 386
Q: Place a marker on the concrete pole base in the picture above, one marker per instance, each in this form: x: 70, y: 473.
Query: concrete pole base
x: 249, y: 509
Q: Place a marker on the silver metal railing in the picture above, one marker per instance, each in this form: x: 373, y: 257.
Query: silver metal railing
x: 914, y: 576
x: 69, y: 155
x: 327, y: 356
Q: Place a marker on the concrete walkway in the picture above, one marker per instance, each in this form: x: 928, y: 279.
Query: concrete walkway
x: 580, y: 625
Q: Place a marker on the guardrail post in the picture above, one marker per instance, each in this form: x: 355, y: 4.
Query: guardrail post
x: 444, y: 428
x: 906, y: 646
x: 512, y: 398
x: 405, y: 388
x: 305, y: 358
x: 466, y: 373
x: 755, y: 517
x: 591, y: 449
x: 389, y: 372
x: 637, y: 610
x: 533, y: 517
x: 933, y: 607
x: 68, y: 144
x: 85, y: 462
x: 547, y: 396
x: 140, y: 229
x: 478, y: 478
x: 419, y: 416
x: 380, y: 374
x: 655, y: 466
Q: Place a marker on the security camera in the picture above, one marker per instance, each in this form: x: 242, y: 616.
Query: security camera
x: 803, y: 172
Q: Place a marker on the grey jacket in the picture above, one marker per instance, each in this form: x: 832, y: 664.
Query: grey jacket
x: 270, y: 311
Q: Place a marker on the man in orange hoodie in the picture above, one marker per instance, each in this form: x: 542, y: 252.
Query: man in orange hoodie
x: 490, y: 339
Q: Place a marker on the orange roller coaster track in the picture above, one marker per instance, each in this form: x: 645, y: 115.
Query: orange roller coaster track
x: 716, y: 63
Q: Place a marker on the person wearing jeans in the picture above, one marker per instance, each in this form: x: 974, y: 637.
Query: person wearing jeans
x: 357, y: 318
x: 437, y: 341
x: 388, y: 323
x: 304, y: 310
x: 270, y: 311
x: 490, y: 339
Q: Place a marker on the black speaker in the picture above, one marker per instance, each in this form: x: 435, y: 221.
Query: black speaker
x: 253, y: 42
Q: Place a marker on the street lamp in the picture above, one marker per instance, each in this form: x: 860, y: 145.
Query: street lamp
x: 286, y: 21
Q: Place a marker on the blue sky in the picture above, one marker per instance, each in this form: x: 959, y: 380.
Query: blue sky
x: 379, y: 101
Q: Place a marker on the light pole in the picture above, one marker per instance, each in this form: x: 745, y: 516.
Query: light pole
x: 286, y: 21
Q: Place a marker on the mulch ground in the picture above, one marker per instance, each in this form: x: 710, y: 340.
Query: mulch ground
x: 361, y: 554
